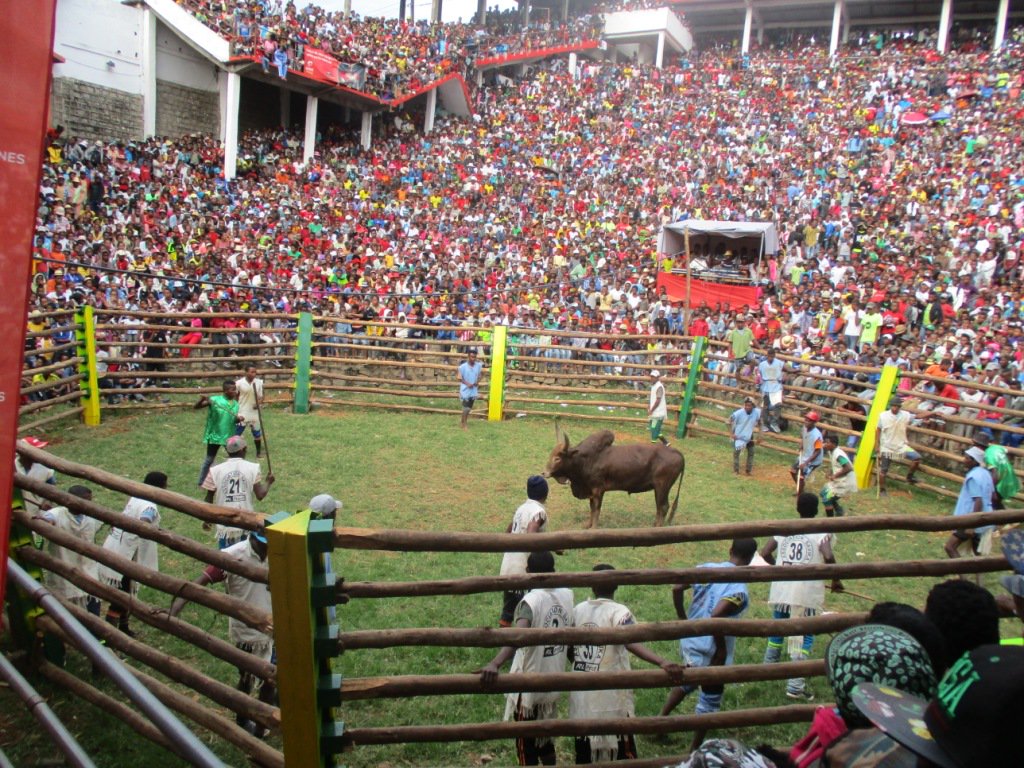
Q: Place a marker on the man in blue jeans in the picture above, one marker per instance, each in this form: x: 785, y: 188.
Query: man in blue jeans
x: 798, y: 599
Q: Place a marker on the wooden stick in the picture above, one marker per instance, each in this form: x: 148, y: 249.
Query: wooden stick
x: 263, y: 426
x: 851, y: 594
x: 436, y: 541
x: 210, y: 513
x: 167, y: 538
x: 405, y: 686
x: 490, y: 637
x: 171, y: 585
x: 739, y: 718
x: 661, y: 576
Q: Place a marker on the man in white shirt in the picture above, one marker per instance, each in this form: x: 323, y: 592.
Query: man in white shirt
x: 250, y: 397
x: 657, y: 408
x: 23, y: 465
x: 529, y: 517
x: 841, y: 480
x: 539, y: 609
x: 891, y: 442
x: 603, y: 612
x: 81, y: 527
x: 235, y: 483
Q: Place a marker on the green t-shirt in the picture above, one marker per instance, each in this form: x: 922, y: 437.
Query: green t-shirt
x: 741, y: 339
x: 869, y: 326
x: 1007, y: 483
x: 220, y: 420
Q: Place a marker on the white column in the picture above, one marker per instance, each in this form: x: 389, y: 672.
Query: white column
x: 748, y: 23
x: 428, y: 117
x: 1000, y: 35
x: 309, y: 140
x: 846, y: 30
x: 944, y: 18
x: 838, y: 11
x: 574, y: 66
x: 222, y: 88
x: 286, y: 108
x: 148, y: 72
x: 348, y: 8
x: 660, y: 55
x: 234, y: 89
x: 524, y: 7
x: 479, y: 77
x: 565, y: 11
x: 366, y: 132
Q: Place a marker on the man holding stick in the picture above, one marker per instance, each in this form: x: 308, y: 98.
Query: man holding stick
x: 221, y: 421
x: 250, y: 400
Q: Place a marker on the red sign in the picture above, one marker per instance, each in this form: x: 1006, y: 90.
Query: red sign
x: 703, y: 292
x: 319, y: 64
x: 27, y: 32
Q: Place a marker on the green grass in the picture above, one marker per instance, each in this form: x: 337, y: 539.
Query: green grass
x: 423, y: 472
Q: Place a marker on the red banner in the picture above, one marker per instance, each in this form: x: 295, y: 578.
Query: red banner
x: 707, y: 293
x: 27, y: 32
x: 319, y: 64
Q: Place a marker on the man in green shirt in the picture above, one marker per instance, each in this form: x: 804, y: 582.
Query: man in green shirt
x: 741, y: 338
x: 221, y: 420
x: 870, y: 325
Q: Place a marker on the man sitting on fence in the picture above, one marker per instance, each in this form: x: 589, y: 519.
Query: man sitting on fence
x: 540, y: 608
x: 253, y: 549
x: 891, y: 442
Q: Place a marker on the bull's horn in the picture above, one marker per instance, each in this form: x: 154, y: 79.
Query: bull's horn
x: 565, y: 441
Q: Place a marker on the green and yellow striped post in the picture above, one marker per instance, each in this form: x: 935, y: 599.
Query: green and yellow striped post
x: 496, y: 392
x: 863, y: 462
x: 303, y: 363
x: 692, y: 382
x: 301, y: 591
x: 89, y: 384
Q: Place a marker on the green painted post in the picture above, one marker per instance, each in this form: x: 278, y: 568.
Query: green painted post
x: 303, y: 362
x: 692, y: 380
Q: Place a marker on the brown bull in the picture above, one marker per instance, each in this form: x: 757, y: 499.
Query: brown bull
x: 595, y: 466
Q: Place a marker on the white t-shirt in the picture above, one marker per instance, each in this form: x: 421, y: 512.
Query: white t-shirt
x: 658, y: 395
x: 247, y: 394
x: 232, y: 482
x: 81, y: 527
x: 601, y: 613
x: 799, y: 549
x: 251, y: 592
x: 893, y: 433
x: 514, y: 563
x: 548, y: 609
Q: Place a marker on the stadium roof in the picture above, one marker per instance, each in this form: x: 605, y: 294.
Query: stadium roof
x: 725, y: 15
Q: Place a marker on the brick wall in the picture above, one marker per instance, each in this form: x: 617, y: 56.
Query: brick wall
x: 181, y: 110
x: 94, y: 112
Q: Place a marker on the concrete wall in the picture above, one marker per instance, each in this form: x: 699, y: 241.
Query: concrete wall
x: 93, y: 111
x: 181, y: 110
x: 178, y: 62
x: 101, y: 42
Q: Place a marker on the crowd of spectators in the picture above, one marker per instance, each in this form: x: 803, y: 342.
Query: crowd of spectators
x: 900, y: 243
x: 397, y: 57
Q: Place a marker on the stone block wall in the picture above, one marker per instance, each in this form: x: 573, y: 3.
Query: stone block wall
x: 181, y: 110
x: 95, y: 112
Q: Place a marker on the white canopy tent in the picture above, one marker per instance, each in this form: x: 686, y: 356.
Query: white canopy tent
x: 758, y: 237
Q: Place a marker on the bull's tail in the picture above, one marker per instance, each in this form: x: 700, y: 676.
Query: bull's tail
x: 679, y: 487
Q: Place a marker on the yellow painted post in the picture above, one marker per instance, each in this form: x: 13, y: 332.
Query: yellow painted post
x: 89, y: 385
x: 291, y: 578
x: 496, y: 393
x: 863, y: 462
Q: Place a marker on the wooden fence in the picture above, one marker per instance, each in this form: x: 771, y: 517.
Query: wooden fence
x: 209, y: 699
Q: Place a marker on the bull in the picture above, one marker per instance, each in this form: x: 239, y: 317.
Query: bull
x: 594, y: 466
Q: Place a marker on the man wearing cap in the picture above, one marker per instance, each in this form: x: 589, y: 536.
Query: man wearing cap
x: 323, y: 506
x: 657, y: 408
x: 975, y: 496
x: 253, y: 550
x: 811, y: 451
x: 742, y: 424
x: 891, y: 443
x: 530, y: 517
x: 470, y: 371
x: 233, y: 483
x: 972, y: 722
x: 221, y: 421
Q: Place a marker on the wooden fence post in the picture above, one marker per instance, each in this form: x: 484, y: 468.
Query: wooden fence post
x: 89, y: 384
x: 496, y: 392
x: 692, y: 380
x: 864, y: 461
x: 303, y: 361
x: 301, y: 592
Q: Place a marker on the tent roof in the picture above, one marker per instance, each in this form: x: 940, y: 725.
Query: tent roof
x: 731, y: 229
